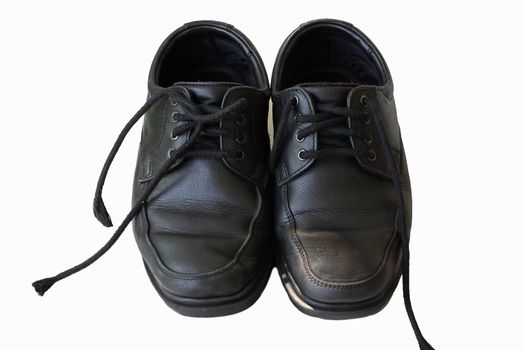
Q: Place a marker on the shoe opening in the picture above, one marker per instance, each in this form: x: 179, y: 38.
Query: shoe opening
x: 330, y: 53
x: 207, y: 53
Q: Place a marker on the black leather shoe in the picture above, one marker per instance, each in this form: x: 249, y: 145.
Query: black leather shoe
x: 343, y: 202
x: 200, y: 217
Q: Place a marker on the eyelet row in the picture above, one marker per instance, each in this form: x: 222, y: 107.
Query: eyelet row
x: 241, y: 139
x: 372, y: 155
x: 174, y: 118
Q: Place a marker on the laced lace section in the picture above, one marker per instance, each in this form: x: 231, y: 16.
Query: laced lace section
x: 332, y: 130
x: 331, y: 125
x: 203, y: 141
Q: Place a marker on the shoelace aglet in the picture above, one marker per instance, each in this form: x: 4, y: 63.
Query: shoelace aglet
x: 101, y: 213
x: 41, y: 286
x: 99, y: 209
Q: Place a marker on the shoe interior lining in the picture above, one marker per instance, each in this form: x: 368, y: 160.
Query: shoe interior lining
x: 205, y: 55
x: 330, y: 55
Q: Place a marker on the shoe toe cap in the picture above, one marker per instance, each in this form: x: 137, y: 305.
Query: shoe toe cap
x: 334, y: 268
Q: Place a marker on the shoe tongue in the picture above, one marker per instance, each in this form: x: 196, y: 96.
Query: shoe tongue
x: 334, y: 94
x: 207, y: 93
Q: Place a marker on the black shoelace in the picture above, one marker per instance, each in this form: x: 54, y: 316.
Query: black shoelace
x: 330, y: 123
x: 203, y: 141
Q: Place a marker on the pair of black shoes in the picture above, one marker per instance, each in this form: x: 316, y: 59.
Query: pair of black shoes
x: 214, y: 209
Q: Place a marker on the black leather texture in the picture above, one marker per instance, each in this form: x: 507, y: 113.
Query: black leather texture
x: 336, y: 217
x: 205, y: 232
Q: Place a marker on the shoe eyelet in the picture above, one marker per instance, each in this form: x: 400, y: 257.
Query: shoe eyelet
x: 297, y: 138
x: 368, y: 119
x: 170, y: 152
x: 364, y: 101
x: 240, y: 140
x: 299, y: 155
x: 174, y: 103
x: 294, y: 101
x: 241, y: 121
x: 240, y: 155
x: 368, y: 138
x: 372, y: 156
x: 174, y: 137
x: 174, y: 116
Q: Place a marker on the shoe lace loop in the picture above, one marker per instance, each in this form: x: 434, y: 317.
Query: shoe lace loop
x: 331, y: 125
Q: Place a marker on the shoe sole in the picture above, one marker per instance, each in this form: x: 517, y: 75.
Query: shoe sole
x: 219, y: 306
x: 340, y: 311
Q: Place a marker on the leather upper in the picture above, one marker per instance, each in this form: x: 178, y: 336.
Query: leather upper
x: 336, y: 217
x: 205, y: 231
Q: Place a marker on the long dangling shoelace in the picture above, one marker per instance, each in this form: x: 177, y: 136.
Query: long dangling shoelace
x: 203, y: 141
x: 331, y: 125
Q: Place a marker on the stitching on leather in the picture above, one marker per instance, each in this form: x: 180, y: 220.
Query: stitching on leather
x: 146, y: 177
x: 389, y: 98
x: 164, y: 123
x: 331, y: 211
x: 226, y: 268
x: 148, y: 168
x: 304, y: 258
x: 140, y: 157
x: 198, y: 204
x: 297, y: 243
x: 295, y: 239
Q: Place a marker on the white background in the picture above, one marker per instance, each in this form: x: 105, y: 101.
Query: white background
x: 71, y: 75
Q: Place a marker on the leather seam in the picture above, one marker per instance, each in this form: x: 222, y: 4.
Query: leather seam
x: 304, y: 258
x: 149, y: 175
x: 220, y: 271
x: 164, y: 124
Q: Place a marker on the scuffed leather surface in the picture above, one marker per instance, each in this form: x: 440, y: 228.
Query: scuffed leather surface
x: 336, y: 218
x: 336, y: 229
